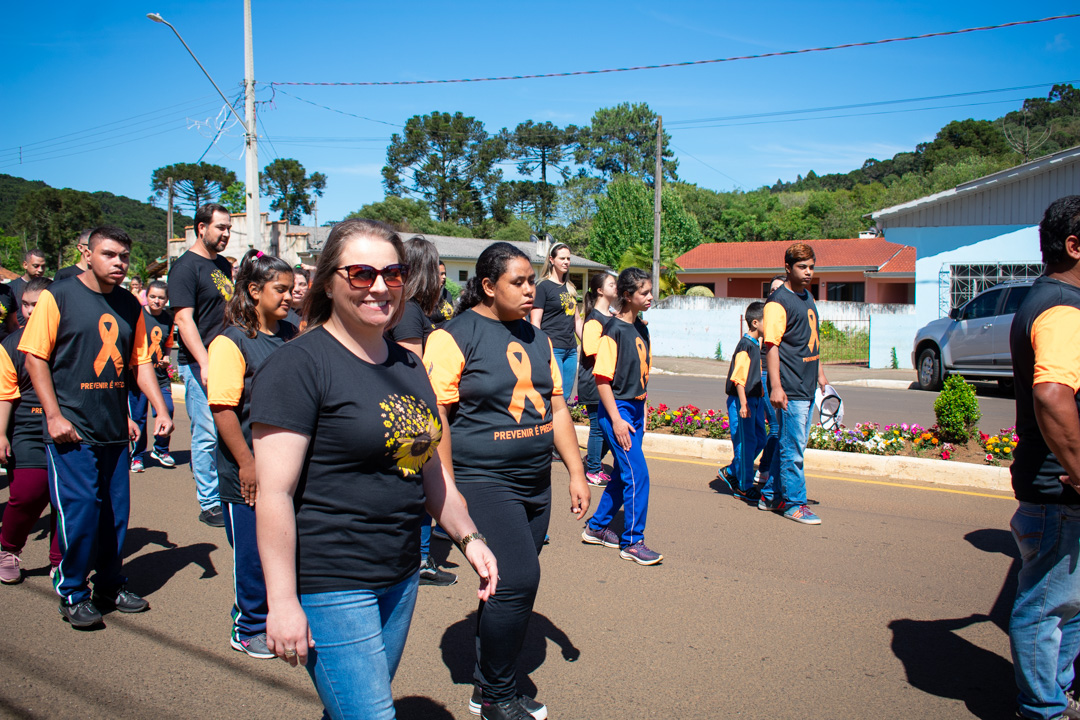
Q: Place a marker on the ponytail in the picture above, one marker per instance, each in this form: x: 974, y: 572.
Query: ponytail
x: 489, y: 266
x: 256, y: 268
x: 596, y: 283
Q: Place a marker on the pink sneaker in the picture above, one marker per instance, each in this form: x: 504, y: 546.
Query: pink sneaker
x: 596, y: 479
x: 10, y: 568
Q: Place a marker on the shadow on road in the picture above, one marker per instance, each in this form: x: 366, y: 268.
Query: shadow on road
x: 940, y: 662
x: 458, y: 647
x: 150, y: 572
x: 421, y: 708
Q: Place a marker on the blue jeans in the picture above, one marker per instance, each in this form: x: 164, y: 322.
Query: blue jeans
x: 425, y: 537
x: 203, y: 437
x: 138, y: 407
x: 598, y: 446
x: 359, y: 637
x: 629, y: 485
x: 747, y: 439
x: 567, y: 361
x: 774, y: 430
x: 1044, y: 629
x: 787, y: 481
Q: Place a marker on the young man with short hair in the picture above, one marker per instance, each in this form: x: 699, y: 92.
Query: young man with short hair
x: 200, y: 283
x: 792, y: 354
x: 84, y: 339
x: 80, y: 266
x: 1044, y: 629
x: 33, y: 267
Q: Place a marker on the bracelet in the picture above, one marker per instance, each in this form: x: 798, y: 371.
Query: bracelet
x: 468, y: 539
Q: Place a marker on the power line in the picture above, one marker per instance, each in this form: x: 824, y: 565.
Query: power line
x: 739, y: 184
x: 326, y: 107
x: 82, y: 152
x: 686, y: 63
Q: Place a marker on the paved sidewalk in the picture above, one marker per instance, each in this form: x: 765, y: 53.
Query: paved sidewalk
x: 848, y: 374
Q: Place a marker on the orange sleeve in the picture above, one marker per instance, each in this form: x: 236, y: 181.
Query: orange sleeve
x: 740, y: 368
x: 444, y: 363
x: 39, y: 337
x: 9, y: 379
x: 775, y: 323
x: 607, y: 353
x: 1055, y: 337
x: 556, y: 374
x: 225, y: 374
x: 140, y: 349
x: 169, y: 342
x: 590, y: 337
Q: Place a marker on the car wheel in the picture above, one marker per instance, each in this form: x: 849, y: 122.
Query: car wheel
x: 928, y: 369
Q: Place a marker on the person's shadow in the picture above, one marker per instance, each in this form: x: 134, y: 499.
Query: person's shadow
x: 458, y: 647
x: 420, y: 708
x: 940, y: 662
x: 150, y: 572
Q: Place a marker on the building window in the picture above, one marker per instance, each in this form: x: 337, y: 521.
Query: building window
x: 846, y: 291
x: 578, y: 279
x: 462, y: 275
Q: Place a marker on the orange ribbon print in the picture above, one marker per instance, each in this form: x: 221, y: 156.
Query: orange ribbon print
x: 109, y: 331
x: 643, y: 361
x: 523, y: 390
x: 811, y: 317
x: 155, y: 343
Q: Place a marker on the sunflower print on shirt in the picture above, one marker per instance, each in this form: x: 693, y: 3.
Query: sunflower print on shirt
x: 568, y: 303
x: 412, y: 432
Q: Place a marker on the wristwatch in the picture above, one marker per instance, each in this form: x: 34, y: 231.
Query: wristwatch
x: 468, y: 539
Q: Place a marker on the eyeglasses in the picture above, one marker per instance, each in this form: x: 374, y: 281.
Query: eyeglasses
x: 361, y: 277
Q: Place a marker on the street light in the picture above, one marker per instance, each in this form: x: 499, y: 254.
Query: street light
x: 251, y: 154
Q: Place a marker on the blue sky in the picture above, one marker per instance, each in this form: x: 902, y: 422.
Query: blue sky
x: 73, y: 70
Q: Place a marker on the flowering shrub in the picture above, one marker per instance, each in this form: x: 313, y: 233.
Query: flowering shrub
x: 578, y: 413
x: 946, y: 451
x: 173, y: 373
x: 999, y: 447
x: 926, y: 440
x: 864, y: 438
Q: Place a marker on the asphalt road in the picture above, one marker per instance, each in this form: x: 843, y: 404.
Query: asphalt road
x: 895, y: 607
x: 861, y: 404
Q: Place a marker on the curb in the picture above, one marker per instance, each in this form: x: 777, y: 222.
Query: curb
x: 894, y: 467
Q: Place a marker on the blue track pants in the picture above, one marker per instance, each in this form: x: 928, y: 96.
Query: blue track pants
x: 629, y: 485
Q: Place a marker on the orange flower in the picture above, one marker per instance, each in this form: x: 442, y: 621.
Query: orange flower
x: 933, y: 441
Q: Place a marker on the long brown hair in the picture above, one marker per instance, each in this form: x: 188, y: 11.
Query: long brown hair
x: 423, y: 284
x: 318, y: 306
x: 256, y: 268
x: 549, y: 265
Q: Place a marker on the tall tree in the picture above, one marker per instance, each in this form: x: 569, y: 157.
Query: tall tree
x: 52, y: 218
x: 287, y: 182
x: 622, y: 141
x: 449, y: 162
x: 235, y: 197
x: 194, y: 184
x: 624, y: 219
x: 540, y: 146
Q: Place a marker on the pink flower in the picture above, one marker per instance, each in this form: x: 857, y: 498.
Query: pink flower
x: 989, y: 456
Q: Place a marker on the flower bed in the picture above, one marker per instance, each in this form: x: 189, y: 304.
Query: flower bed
x: 868, y: 438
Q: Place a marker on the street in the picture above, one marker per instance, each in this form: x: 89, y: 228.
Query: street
x: 895, y: 607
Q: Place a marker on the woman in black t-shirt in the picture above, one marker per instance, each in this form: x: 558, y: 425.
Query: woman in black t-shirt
x: 499, y: 389
x: 345, y: 430
x: 411, y: 332
x: 555, y: 312
x: 598, y: 311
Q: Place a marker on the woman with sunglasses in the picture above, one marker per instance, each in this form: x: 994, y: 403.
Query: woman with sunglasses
x: 555, y: 312
x: 345, y: 466
x: 499, y: 389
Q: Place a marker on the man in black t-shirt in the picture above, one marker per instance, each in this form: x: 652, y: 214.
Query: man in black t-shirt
x: 200, y: 283
x: 33, y: 266
x: 79, y: 267
x: 8, y: 312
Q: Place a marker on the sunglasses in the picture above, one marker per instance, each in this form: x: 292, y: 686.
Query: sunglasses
x: 361, y: 277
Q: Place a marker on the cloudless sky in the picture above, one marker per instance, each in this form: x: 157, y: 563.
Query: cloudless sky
x: 72, y: 70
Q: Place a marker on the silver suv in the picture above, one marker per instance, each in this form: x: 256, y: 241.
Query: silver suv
x: 973, y: 341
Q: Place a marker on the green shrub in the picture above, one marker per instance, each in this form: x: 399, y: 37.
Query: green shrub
x: 699, y: 291
x: 957, y: 410
x: 893, y: 362
x: 453, y: 288
x: 719, y: 354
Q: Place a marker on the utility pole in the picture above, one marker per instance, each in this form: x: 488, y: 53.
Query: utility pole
x: 251, y: 155
x: 169, y: 227
x: 657, y: 179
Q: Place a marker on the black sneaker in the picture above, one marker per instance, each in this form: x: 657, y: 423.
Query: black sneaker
x: 81, y: 615
x: 509, y: 710
x: 536, y: 710
x: 213, y: 517
x: 432, y: 574
x: 123, y: 601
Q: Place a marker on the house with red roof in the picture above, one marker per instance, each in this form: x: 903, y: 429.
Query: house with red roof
x: 865, y: 269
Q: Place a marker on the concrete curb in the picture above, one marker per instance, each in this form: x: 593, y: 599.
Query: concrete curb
x: 892, y: 467
x: 878, y: 383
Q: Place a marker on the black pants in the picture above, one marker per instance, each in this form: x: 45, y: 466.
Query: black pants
x: 515, y: 522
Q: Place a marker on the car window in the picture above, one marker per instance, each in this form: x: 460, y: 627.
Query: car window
x: 984, y: 305
x: 1016, y: 296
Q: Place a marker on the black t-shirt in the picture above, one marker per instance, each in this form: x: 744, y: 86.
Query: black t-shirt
x: 16, y: 287
x: 1045, y: 345
x: 745, y: 368
x: 234, y: 360
x: 560, y: 308
x: 372, y: 427
x: 625, y: 358
x: 159, y: 337
x: 25, y: 426
x: 413, y: 324
x: 791, y: 323
x: 591, y: 333
x: 293, y: 317
x: 204, y: 286
x: 444, y: 309
x: 66, y: 272
x: 8, y: 307
x: 90, y: 341
x: 500, y: 376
